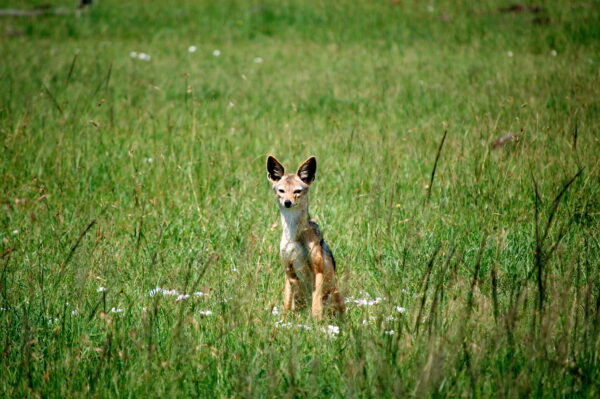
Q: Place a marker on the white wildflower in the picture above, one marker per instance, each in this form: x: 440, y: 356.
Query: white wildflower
x: 116, y: 310
x: 206, y: 312
x: 258, y: 60
x: 74, y: 312
x: 364, y: 301
x: 389, y: 332
x: 216, y: 52
x: 304, y: 326
x: 400, y: 309
x: 101, y: 289
x: 192, y: 49
x: 133, y: 54
x: 275, y: 311
x: 15, y: 231
x: 200, y: 293
x: 553, y: 53
x: 370, y: 320
x: 149, y: 160
x: 281, y: 323
x: 166, y: 292
x: 332, y: 331
x: 144, y: 57
x: 509, y: 53
x: 181, y: 297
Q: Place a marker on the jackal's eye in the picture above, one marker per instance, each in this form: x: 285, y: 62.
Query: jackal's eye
x: 281, y: 190
x: 297, y: 191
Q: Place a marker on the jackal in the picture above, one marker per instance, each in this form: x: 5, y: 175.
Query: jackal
x: 307, y: 260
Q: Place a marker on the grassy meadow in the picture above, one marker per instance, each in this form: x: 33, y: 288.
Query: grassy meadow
x: 139, y: 236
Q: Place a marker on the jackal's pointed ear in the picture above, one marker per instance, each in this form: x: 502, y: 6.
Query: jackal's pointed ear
x: 308, y: 170
x: 275, y: 169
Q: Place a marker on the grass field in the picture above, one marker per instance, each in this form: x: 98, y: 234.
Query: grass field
x: 128, y: 182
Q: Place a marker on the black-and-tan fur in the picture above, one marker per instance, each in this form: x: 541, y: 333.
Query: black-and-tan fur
x: 307, y: 259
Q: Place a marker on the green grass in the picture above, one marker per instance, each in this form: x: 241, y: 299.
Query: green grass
x: 128, y: 174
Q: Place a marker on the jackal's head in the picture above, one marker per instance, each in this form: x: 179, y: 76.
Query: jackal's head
x: 291, y: 189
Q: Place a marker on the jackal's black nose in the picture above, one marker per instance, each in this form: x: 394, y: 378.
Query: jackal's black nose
x: 287, y: 203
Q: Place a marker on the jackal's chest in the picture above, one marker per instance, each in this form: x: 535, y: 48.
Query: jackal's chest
x: 295, y: 254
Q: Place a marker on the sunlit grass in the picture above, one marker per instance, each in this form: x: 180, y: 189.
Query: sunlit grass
x: 139, y: 237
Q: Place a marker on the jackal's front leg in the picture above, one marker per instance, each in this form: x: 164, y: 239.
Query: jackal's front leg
x: 288, y: 295
x: 290, y: 291
x: 317, y: 297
